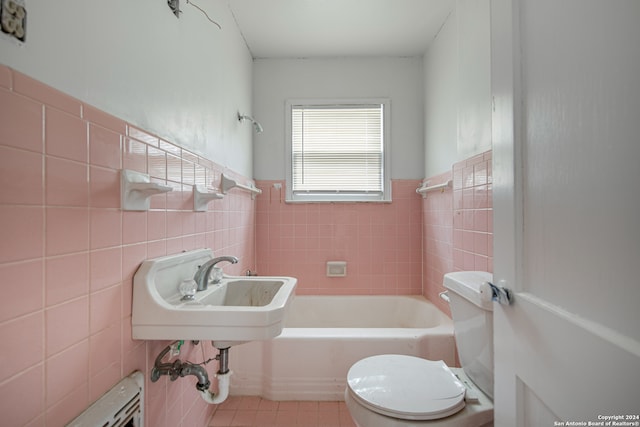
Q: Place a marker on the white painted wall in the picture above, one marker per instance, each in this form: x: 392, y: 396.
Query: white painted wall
x: 183, y: 79
x: 400, y: 79
x: 441, y: 102
x: 457, y: 75
x: 474, y: 77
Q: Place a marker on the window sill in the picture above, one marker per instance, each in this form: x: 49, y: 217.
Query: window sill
x: 333, y: 199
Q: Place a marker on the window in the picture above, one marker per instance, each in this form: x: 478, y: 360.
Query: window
x: 337, y: 151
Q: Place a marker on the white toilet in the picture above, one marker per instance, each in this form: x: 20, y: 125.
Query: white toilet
x: 394, y: 390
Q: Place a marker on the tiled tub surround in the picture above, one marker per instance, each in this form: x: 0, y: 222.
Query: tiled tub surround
x: 401, y: 248
x: 458, y: 224
x: 69, y: 253
x: 381, y: 242
x: 473, y: 214
x: 437, y: 240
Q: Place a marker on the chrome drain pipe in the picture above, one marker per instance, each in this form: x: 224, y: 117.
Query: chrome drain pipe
x: 223, y: 357
x: 179, y: 368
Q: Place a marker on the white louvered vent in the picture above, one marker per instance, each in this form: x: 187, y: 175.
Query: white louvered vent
x: 122, y: 406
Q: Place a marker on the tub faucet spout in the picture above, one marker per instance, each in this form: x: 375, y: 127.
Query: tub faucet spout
x: 202, y: 275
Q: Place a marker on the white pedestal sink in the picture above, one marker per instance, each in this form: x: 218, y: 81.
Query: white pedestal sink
x: 238, y: 309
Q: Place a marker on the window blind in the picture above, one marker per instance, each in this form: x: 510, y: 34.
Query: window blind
x: 337, y: 148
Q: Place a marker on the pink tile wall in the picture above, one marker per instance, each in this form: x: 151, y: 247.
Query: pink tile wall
x: 473, y: 214
x: 437, y: 210
x: 381, y: 242
x: 68, y: 254
x: 458, y: 224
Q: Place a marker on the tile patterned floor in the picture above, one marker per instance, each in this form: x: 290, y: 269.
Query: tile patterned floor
x: 253, y: 411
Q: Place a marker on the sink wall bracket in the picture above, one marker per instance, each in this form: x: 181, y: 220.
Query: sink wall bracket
x: 136, y: 189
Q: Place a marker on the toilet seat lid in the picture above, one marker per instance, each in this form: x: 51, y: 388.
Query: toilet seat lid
x: 406, y: 387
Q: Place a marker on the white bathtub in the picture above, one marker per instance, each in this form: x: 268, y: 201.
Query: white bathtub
x: 325, y: 335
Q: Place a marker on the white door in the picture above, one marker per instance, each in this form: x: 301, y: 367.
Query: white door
x: 566, y: 135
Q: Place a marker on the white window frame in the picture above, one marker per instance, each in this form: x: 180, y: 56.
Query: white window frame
x: 292, y: 197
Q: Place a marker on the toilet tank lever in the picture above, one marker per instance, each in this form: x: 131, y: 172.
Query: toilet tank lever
x: 444, y: 296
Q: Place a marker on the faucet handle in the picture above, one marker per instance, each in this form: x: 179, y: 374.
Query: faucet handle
x: 187, y: 289
x: 216, y: 275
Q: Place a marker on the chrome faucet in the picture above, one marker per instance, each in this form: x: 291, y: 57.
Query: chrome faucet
x: 202, y: 275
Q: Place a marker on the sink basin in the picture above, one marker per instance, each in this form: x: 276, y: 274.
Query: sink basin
x: 238, y: 309
x: 251, y: 292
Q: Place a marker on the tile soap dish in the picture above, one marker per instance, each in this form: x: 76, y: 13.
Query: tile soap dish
x: 202, y: 197
x: 135, y: 190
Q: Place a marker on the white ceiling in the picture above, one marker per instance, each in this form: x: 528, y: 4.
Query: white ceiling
x: 330, y: 28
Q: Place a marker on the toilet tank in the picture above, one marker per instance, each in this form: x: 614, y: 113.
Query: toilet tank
x: 473, y: 325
